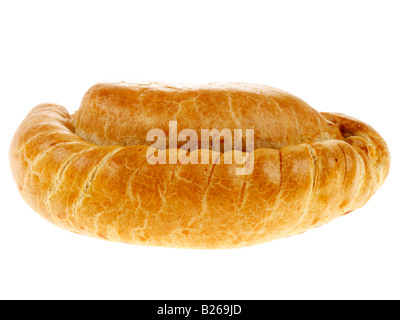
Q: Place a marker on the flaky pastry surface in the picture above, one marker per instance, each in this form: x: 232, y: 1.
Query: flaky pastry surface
x: 88, y: 172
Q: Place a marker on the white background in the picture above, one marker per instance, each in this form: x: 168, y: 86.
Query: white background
x: 340, y: 56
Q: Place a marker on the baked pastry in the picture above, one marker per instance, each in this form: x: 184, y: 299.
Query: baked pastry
x: 90, y: 172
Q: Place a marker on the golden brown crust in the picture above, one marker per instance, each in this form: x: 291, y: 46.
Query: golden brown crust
x: 309, y: 168
x: 278, y: 118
